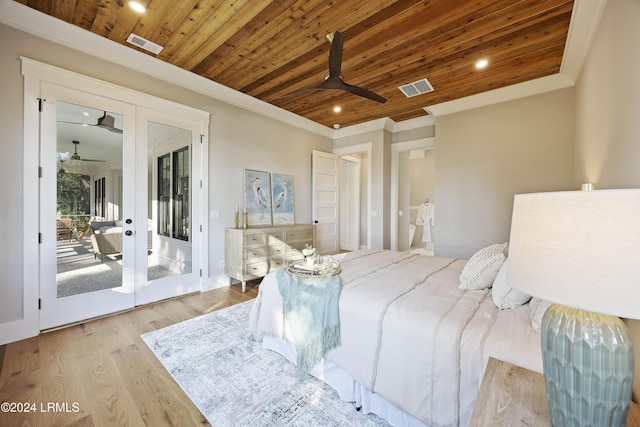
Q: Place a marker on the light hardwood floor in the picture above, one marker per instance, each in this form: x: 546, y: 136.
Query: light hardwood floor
x: 101, y: 373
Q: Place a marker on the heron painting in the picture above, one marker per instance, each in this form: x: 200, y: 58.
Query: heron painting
x: 282, y: 196
x: 257, y: 197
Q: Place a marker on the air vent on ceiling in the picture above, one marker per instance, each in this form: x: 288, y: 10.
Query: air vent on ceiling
x: 144, y: 44
x: 416, y: 88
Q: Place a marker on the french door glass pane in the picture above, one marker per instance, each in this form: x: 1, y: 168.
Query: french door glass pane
x: 170, y: 210
x: 181, y: 172
x: 88, y: 198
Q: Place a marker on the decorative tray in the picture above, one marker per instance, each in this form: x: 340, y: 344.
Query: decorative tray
x: 327, y: 266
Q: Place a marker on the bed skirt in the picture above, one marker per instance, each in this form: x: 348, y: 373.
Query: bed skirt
x: 347, y: 388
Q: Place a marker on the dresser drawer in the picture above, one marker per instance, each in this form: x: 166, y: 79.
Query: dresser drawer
x: 261, y: 268
x: 255, y: 239
x: 256, y: 269
x: 276, y: 263
x: 257, y: 252
x: 276, y: 250
x: 299, y: 234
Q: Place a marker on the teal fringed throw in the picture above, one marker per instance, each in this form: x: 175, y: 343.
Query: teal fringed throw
x: 311, y: 314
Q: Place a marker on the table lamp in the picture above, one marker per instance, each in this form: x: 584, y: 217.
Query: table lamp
x: 580, y: 250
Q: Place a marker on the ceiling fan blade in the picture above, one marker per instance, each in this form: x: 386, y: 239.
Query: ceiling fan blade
x: 334, y: 80
x: 335, y: 54
x: 104, y: 122
x: 365, y: 93
x: 110, y: 129
x: 76, y: 123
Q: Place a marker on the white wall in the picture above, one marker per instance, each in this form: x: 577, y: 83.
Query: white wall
x: 238, y: 139
x: 607, y: 108
x: 488, y: 154
x: 608, y: 102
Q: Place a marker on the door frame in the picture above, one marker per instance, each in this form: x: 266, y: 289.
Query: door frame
x: 366, y: 148
x: 350, y: 184
x: 416, y: 144
x: 35, y: 72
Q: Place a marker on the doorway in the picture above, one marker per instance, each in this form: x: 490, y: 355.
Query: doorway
x: 412, y: 185
x: 121, y: 218
x: 350, y: 201
x: 357, y: 160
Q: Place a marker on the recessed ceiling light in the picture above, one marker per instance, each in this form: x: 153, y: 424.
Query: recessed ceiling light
x: 138, y: 7
x: 482, y: 63
x: 337, y: 109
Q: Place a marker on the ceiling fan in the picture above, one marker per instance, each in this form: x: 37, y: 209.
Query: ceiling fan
x: 334, y: 78
x: 105, y: 122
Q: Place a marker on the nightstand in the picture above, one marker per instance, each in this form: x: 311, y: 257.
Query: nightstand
x: 514, y: 396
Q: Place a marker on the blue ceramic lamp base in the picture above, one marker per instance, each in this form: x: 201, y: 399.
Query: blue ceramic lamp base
x: 588, y: 367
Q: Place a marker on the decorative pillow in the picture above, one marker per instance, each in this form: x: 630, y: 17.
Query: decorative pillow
x: 480, y: 271
x: 538, y: 307
x: 504, y: 296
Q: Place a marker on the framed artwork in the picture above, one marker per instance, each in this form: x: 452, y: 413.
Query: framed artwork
x: 282, y: 196
x: 257, y: 197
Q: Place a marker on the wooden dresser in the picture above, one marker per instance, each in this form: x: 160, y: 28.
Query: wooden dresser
x: 251, y: 253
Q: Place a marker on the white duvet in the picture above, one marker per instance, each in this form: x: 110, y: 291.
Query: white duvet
x: 410, y: 336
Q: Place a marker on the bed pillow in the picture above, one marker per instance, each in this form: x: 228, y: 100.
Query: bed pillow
x: 504, y: 296
x: 538, y: 307
x: 481, y: 269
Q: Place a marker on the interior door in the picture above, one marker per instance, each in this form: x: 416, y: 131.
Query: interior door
x: 325, y: 204
x: 87, y: 159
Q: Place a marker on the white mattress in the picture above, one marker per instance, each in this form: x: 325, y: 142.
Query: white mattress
x: 414, y: 346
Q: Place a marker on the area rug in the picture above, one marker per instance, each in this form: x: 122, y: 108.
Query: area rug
x: 235, y: 382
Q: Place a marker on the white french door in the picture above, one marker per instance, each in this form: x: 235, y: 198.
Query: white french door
x: 87, y: 177
x: 121, y: 205
x: 170, y: 173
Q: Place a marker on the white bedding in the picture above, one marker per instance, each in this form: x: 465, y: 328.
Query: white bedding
x: 410, y: 336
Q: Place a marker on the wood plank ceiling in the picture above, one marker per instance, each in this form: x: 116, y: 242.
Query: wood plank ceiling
x: 269, y: 48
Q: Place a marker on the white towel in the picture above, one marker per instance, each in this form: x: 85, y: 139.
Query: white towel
x: 425, y: 217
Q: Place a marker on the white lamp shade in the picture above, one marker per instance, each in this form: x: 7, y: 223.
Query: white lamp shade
x: 579, y: 248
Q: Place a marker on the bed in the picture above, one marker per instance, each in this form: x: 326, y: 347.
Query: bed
x: 413, y: 345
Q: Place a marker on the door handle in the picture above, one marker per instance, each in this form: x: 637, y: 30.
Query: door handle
x: 128, y: 233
